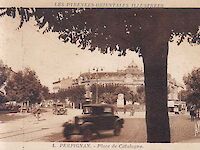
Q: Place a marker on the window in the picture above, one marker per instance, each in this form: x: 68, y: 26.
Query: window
x: 87, y: 110
x: 107, y: 110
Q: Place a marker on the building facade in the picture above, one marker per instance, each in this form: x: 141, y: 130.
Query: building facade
x: 130, y: 77
x: 62, y: 84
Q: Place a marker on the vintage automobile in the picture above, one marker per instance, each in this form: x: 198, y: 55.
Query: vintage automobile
x: 59, y: 109
x: 95, y: 118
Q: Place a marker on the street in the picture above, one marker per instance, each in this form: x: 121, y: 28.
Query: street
x: 49, y: 129
x: 30, y: 129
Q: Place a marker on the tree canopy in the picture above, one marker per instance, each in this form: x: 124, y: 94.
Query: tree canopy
x: 74, y: 94
x: 4, y: 73
x: 110, y: 30
x: 192, y: 82
x: 25, y: 86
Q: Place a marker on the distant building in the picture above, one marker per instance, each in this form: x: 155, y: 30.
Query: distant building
x: 131, y: 77
x: 56, y: 86
x: 64, y: 83
x: 173, y: 88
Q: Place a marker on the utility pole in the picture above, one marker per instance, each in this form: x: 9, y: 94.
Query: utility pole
x: 96, y: 69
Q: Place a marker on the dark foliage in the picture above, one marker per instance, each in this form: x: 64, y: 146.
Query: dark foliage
x: 192, y: 92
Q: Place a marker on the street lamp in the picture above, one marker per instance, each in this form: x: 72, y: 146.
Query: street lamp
x: 97, y: 69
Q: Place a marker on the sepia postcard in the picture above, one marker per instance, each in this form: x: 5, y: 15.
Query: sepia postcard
x: 99, y: 74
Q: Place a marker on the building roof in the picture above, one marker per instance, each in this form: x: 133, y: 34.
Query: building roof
x: 131, y: 69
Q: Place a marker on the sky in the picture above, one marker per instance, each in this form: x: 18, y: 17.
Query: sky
x: 53, y: 59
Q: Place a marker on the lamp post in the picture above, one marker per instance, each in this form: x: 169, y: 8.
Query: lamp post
x: 96, y: 69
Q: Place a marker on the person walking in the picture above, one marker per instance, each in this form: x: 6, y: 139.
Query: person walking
x: 193, y: 112
x: 196, y: 123
x: 132, y: 112
x: 37, y: 112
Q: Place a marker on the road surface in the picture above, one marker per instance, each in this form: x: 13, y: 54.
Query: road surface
x: 49, y: 129
x: 30, y: 129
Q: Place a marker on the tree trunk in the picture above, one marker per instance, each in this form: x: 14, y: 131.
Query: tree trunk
x: 155, y: 73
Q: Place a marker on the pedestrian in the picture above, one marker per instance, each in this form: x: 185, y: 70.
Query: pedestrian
x: 192, y: 112
x: 37, y: 112
x: 132, y: 112
x: 124, y: 109
x: 196, y: 125
x: 176, y: 110
x: 116, y: 110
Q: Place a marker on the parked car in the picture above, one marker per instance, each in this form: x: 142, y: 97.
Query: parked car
x: 9, y: 108
x: 95, y: 118
x: 59, y: 109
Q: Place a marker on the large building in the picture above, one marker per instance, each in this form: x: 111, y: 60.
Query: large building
x: 131, y: 77
x: 173, y: 88
x: 62, y: 84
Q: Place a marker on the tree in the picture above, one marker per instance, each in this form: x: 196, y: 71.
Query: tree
x: 145, y: 31
x: 140, y: 94
x: 184, y: 95
x: 24, y: 86
x: 62, y: 95
x: 45, y: 92
x: 124, y: 90
x: 110, y: 90
x: 2, y: 97
x: 75, y: 94
x: 4, y: 73
x: 108, y: 93
x: 94, y: 88
x: 109, y: 98
x: 192, y: 82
